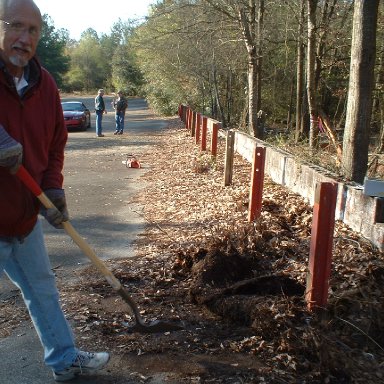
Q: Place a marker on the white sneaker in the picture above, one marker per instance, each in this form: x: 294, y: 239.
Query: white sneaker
x: 85, y: 362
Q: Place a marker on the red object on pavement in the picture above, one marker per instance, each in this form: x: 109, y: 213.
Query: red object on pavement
x: 132, y: 162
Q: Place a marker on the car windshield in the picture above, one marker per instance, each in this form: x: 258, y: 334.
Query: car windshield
x: 72, y: 106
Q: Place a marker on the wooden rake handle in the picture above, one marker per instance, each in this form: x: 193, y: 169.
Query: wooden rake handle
x: 31, y: 184
x: 140, y: 326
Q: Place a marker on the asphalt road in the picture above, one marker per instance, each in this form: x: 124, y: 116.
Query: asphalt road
x: 99, y: 189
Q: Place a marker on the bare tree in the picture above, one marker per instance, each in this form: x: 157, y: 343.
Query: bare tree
x: 311, y: 74
x: 300, y: 74
x: 359, y: 108
x: 251, y: 29
x: 378, y: 104
x: 249, y: 14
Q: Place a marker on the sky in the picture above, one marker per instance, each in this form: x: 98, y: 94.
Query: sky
x: 78, y: 15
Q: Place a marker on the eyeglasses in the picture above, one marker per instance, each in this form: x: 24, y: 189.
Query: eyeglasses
x: 20, y: 28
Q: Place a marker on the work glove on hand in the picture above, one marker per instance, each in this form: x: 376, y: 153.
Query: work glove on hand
x: 54, y: 216
x: 11, y: 152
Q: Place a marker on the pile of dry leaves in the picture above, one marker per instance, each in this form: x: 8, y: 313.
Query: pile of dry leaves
x: 237, y: 287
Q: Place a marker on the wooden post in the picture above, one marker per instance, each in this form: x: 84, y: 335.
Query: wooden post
x: 188, y: 122
x: 193, y: 123
x: 257, y: 183
x: 184, y: 110
x: 215, y: 135
x: 320, y: 256
x: 198, y: 123
x: 229, y: 155
x: 204, y: 134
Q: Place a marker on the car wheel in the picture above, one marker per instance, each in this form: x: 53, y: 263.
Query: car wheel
x: 89, y: 124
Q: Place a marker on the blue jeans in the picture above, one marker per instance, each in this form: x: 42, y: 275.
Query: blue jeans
x: 27, y: 265
x: 119, y: 118
x: 99, y: 118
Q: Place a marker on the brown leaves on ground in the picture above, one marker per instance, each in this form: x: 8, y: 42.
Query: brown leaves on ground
x: 12, y: 313
x: 237, y: 287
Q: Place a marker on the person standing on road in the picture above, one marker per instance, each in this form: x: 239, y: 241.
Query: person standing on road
x: 32, y: 133
x: 120, y: 105
x: 100, y: 110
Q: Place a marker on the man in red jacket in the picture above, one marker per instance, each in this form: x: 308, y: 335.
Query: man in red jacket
x: 32, y: 132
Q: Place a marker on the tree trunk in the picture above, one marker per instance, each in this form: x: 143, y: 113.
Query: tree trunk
x: 252, y: 93
x: 377, y: 103
x: 311, y: 75
x: 259, y: 62
x: 219, y: 106
x: 290, y: 105
x: 252, y: 38
x: 359, y: 108
x: 300, y: 76
x: 380, y: 147
x: 229, y: 101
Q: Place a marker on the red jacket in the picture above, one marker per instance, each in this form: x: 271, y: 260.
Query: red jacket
x: 36, y: 121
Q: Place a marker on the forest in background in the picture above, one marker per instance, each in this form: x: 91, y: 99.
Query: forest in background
x: 303, y: 68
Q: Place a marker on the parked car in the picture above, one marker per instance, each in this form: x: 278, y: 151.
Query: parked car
x: 76, y: 115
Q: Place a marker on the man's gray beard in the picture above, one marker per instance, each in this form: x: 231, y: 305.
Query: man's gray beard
x: 18, y: 61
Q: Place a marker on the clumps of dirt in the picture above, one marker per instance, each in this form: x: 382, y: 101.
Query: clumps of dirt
x: 223, y: 281
x: 335, y: 345
x: 219, y: 268
x: 266, y: 285
x: 248, y: 310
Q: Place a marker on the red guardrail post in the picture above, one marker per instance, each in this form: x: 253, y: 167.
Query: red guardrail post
x: 320, y: 255
x: 197, y: 132
x: 257, y: 183
x: 204, y: 134
x: 215, y: 135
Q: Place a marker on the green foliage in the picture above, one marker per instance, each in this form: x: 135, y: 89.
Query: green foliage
x: 51, y: 50
x: 162, y: 80
x: 183, y: 59
x: 193, y: 52
x: 125, y: 72
x: 90, y: 66
x: 104, y: 61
